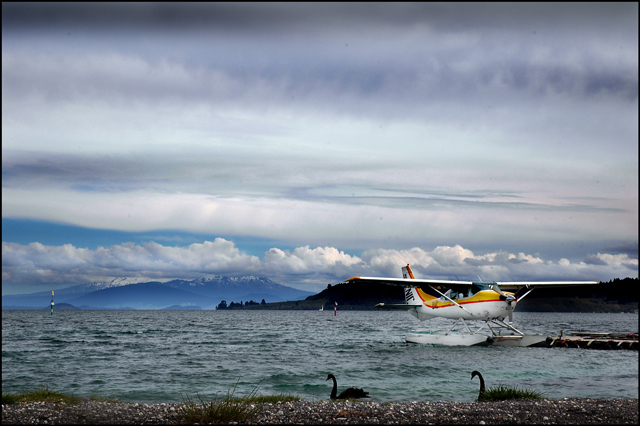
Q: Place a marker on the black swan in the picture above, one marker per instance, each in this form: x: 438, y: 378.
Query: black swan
x: 477, y: 373
x: 349, y: 393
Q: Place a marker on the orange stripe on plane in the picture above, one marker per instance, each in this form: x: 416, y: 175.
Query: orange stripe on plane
x: 480, y: 297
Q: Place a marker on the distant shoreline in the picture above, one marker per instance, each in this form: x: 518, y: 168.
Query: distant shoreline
x: 608, y: 297
x: 603, y: 310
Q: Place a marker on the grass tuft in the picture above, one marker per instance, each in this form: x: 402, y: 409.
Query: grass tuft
x: 42, y: 394
x: 228, y: 409
x: 9, y: 398
x: 503, y: 393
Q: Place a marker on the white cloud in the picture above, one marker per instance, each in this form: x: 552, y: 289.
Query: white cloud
x: 310, y: 267
x: 354, y: 221
x: 27, y: 266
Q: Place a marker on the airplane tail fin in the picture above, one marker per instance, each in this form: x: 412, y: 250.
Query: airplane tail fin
x: 410, y: 293
x: 414, y: 296
x: 406, y: 272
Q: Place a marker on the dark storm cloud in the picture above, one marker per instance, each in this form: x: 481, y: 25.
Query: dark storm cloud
x: 114, y: 173
x: 138, y: 16
x: 182, y: 15
x: 393, y: 91
x: 630, y: 249
x: 26, y: 169
x: 594, y: 260
x: 401, y: 54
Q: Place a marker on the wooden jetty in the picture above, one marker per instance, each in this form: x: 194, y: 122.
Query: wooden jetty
x: 606, y: 341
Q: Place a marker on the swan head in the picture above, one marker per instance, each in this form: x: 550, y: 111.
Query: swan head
x: 475, y: 373
x: 330, y: 376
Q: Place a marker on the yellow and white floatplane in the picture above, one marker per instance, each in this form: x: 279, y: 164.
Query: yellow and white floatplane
x: 462, y: 301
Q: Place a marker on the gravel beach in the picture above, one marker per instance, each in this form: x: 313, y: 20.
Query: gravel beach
x: 563, y: 411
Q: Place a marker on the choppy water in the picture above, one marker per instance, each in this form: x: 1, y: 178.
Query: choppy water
x: 162, y: 356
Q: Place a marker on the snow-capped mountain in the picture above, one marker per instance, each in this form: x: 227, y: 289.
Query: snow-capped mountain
x: 101, y: 285
x: 230, y: 282
x: 142, y: 293
x: 238, y: 289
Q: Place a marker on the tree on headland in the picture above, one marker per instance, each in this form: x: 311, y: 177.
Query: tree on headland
x: 617, y: 295
x: 233, y: 305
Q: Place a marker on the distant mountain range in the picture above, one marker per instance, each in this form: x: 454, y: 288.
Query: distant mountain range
x: 205, y: 292
x: 208, y: 291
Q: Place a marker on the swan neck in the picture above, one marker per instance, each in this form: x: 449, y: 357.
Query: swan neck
x: 334, y: 391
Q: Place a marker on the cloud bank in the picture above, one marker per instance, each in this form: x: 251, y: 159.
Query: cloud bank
x: 26, y: 267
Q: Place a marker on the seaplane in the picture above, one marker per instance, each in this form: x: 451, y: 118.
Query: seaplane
x: 488, y: 302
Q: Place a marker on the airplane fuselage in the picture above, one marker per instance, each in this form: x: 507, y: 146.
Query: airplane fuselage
x: 483, y: 305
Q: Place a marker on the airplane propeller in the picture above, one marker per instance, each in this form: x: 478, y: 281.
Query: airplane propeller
x: 510, y: 298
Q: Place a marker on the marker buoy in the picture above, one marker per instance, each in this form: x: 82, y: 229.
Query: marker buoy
x: 51, y: 302
x: 335, y: 309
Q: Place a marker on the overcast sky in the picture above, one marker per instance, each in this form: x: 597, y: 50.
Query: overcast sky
x: 312, y: 142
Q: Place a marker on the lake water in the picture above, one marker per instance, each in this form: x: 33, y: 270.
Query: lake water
x: 163, y: 356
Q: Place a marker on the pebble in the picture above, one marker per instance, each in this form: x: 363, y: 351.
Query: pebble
x: 563, y: 411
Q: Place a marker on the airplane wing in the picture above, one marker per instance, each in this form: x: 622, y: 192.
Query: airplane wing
x: 516, y: 285
x: 404, y: 282
x: 504, y: 285
x: 398, y: 307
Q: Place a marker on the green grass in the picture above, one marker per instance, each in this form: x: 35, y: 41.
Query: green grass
x: 228, y: 409
x: 271, y: 399
x: 503, y: 393
x: 42, y: 394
